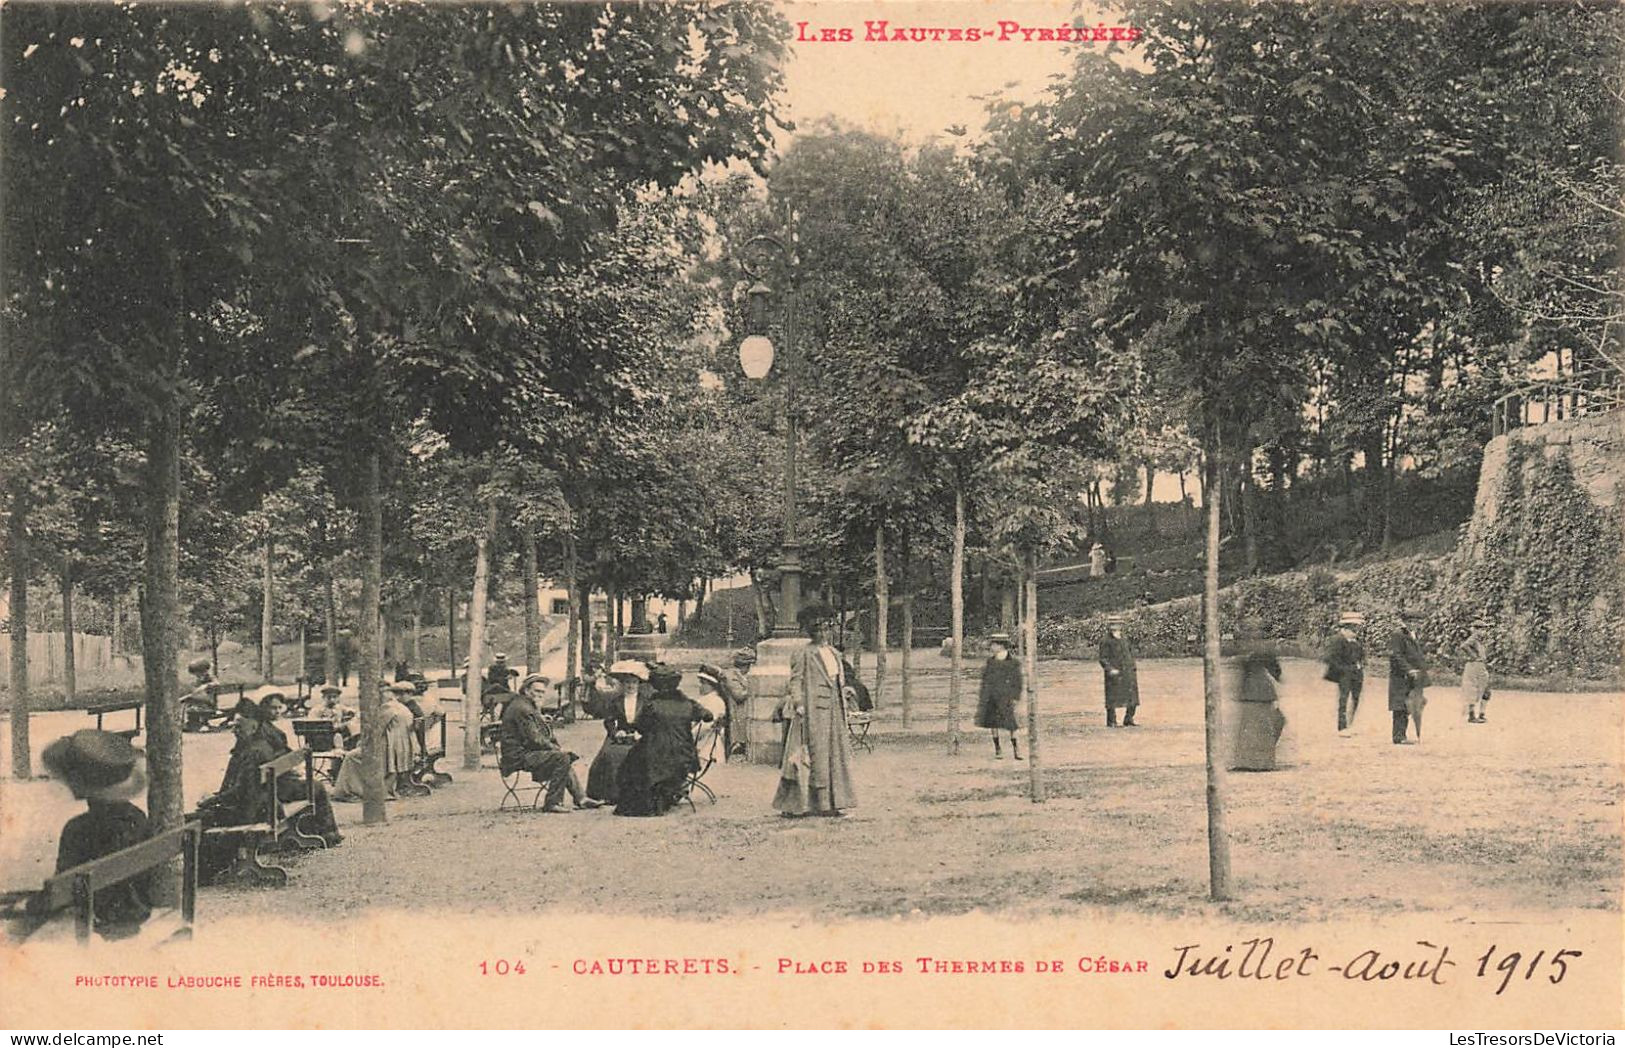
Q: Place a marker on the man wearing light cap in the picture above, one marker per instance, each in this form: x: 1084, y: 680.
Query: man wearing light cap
x: 499, y: 672
x: 528, y: 744
x: 1345, y: 667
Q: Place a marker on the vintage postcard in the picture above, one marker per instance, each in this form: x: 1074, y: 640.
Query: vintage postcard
x: 812, y: 515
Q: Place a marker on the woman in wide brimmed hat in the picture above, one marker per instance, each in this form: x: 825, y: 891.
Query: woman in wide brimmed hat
x: 651, y: 779
x: 104, y: 770
x: 618, y: 695
x: 815, y: 773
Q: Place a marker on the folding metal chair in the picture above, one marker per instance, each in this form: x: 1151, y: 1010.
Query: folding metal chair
x: 858, y: 722
x: 708, y: 743
x: 514, y: 783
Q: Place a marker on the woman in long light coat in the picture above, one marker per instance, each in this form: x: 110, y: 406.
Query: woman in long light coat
x: 815, y: 775
x: 396, y: 721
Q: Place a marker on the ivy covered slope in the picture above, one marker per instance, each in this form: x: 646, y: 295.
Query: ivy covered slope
x: 1539, y: 562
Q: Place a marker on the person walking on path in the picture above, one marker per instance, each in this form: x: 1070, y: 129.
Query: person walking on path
x: 1475, y: 675
x: 1122, y: 677
x: 1407, y: 677
x: 1001, y: 687
x: 815, y: 775
x: 1345, y: 667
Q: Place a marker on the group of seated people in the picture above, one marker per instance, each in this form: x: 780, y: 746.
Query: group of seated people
x: 649, y: 748
x: 242, y: 799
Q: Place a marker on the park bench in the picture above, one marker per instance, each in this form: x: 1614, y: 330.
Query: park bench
x: 280, y: 827
x: 101, y: 710
x: 424, y: 773
x: 77, y: 887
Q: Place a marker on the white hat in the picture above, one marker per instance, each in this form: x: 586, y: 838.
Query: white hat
x: 630, y: 668
x: 1351, y: 618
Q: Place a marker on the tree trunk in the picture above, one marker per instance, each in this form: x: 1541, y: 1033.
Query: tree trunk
x: 906, y: 679
x: 367, y: 660
x: 267, y: 596
x: 1218, y: 838
x: 1373, y: 487
x: 584, y: 596
x: 764, y: 606
x: 533, y: 621
x: 330, y: 633
x: 70, y: 667
x: 574, y: 664
x: 115, y: 621
x: 1249, y: 516
x: 214, y: 650
x: 473, y: 684
x: 1150, y: 509
x: 1029, y: 674
x: 21, y: 755
x: 303, y: 671
x: 451, y: 629
x: 417, y: 635
x: 882, y: 614
x: 957, y: 599
x: 160, y: 619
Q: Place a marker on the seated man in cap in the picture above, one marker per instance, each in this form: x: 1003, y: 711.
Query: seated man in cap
x: 103, y: 770
x: 343, y: 718
x: 499, y: 673
x: 527, y: 744
x: 200, y: 710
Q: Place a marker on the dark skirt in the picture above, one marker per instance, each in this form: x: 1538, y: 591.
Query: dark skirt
x: 997, y: 713
x: 640, y: 792
x: 603, y: 775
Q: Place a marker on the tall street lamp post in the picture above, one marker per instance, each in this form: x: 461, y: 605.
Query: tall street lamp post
x: 756, y: 357
x: 763, y: 256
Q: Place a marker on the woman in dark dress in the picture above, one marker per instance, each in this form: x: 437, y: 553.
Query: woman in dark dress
x: 1001, y: 687
x: 652, y: 777
x: 292, y: 786
x: 617, y: 700
x: 104, y: 770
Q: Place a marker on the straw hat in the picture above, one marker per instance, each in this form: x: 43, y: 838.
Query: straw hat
x: 535, y: 678
x: 1351, y: 618
x: 98, y: 765
x: 630, y: 668
x: 744, y: 656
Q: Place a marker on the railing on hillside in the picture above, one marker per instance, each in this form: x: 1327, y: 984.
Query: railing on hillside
x: 1556, y: 399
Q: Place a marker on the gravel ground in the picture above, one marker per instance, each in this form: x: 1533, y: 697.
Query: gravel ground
x: 1518, y: 816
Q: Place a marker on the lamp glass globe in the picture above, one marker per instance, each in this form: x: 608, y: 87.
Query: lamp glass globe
x: 756, y: 356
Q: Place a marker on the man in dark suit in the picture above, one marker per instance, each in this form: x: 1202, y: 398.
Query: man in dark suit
x: 1345, y: 666
x: 1407, y: 676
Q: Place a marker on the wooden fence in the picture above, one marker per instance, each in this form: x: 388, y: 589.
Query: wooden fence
x: 91, y: 654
